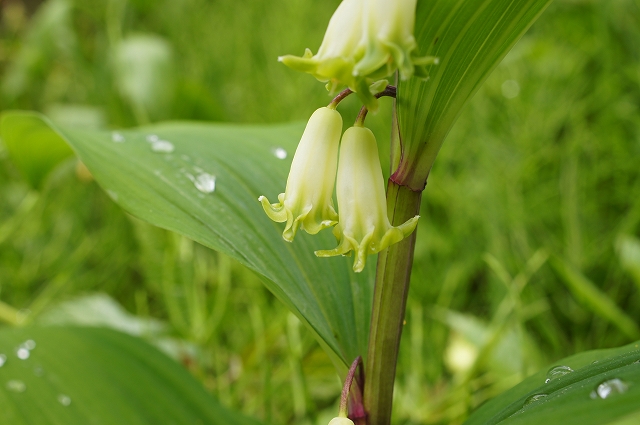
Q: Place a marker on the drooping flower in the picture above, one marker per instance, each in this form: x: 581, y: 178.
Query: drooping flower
x: 366, y: 40
x: 364, y: 226
x: 307, y: 200
x: 388, y: 38
x: 340, y: 49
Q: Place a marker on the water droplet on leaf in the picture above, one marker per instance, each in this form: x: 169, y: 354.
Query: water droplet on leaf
x: 65, y: 400
x: 204, y: 182
x: 162, y: 146
x: 557, y: 372
x: 280, y: 153
x: 608, y: 388
x: 117, y: 137
x: 16, y: 386
x: 534, y: 398
x: 23, y: 353
x: 3, y: 359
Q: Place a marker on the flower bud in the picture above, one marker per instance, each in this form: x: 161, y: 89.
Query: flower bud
x: 307, y: 200
x: 341, y: 421
x: 363, y: 226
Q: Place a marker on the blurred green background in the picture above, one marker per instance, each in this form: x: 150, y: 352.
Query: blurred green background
x: 528, y: 248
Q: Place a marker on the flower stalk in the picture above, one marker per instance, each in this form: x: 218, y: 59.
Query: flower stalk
x: 390, y: 296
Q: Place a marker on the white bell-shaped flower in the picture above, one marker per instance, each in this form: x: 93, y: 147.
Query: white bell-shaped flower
x: 307, y: 201
x: 364, y: 226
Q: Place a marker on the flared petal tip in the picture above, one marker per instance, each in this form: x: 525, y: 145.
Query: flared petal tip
x: 275, y: 212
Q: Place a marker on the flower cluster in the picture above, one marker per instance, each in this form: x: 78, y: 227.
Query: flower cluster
x: 362, y: 226
x: 365, y: 41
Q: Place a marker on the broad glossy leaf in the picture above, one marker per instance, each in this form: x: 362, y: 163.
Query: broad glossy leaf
x: 595, y: 387
x: 91, y: 376
x: 164, y: 175
x: 470, y: 37
x: 34, y: 148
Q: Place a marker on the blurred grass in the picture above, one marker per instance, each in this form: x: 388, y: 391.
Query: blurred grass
x: 543, y: 164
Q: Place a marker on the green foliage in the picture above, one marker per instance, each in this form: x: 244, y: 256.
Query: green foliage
x: 594, y: 387
x: 186, y: 178
x: 68, y: 375
x: 543, y: 159
x: 469, y: 41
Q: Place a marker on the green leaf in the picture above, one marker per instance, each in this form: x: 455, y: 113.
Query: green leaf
x: 69, y: 375
x: 470, y: 38
x: 600, y: 387
x: 34, y: 148
x: 140, y: 174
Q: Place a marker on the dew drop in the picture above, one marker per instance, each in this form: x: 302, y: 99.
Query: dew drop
x: 65, y: 400
x: 637, y: 362
x: 3, y: 359
x: 23, y: 353
x: 533, y: 399
x: 152, y: 138
x: 117, y: 137
x: 205, y: 182
x: 280, y: 153
x: 16, y: 386
x: 608, y: 388
x: 557, y: 372
x: 162, y: 146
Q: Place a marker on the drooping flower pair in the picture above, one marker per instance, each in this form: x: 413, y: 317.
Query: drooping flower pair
x: 366, y: 40
x: 361, y: 225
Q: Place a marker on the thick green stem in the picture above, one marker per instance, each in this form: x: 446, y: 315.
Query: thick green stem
x: 389, y: 300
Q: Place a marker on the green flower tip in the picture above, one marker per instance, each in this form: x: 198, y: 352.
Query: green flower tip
x: 307, y: 200
x: 363, y: 226
x: 366, y: 40
x: 340, y: 420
